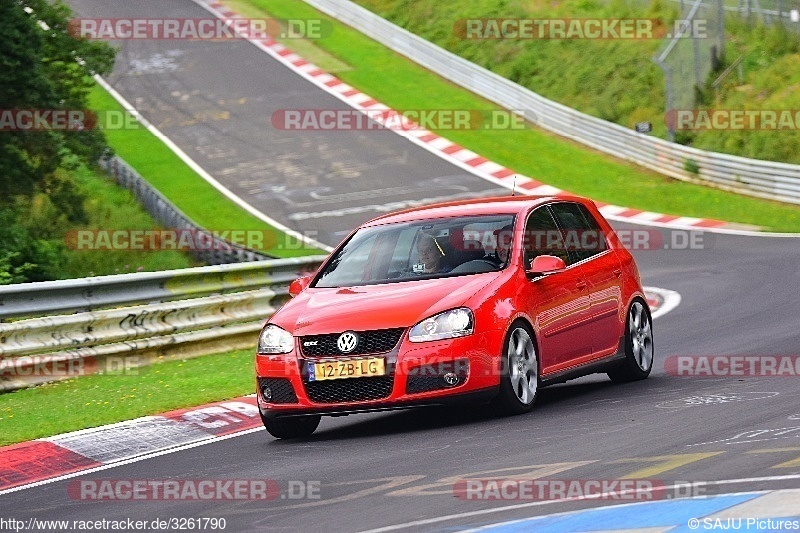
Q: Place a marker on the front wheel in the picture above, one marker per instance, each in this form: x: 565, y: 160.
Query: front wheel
x: 519, y: 379
x: 638, y: 346
x: 291, y: 427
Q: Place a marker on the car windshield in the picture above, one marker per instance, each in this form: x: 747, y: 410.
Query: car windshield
x: 423, y: 249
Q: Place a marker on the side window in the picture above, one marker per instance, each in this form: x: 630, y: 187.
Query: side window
x: 542, y: 237
x: 582, y: 234
x: 596, y: 240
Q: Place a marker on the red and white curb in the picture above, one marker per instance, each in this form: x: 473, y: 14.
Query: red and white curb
x: 448, y: 150
x: 661, y: 301
x: 33, y: 463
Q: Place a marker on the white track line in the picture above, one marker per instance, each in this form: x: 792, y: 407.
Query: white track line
x: 202, y: 172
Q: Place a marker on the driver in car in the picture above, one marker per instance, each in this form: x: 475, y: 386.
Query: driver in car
x: 502, y: 238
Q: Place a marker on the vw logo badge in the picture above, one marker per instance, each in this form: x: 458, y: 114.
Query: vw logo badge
x: 347, y: 342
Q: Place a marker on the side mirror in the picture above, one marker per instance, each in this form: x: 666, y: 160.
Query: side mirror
x: 299, y: 285
x: 546, y: 264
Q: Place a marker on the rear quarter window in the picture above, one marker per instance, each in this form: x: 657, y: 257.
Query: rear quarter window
x: 583, y: 235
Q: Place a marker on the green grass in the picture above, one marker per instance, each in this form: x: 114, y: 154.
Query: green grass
x: 770, y: 60
x: 96, y: 400
x: 109, y: 206
x: 401, y: 84
x: 197, y: 198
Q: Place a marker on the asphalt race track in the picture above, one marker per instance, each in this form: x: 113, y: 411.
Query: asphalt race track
x: 739, y: 297
x: 215, y: 101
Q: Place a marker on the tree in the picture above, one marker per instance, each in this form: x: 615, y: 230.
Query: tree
x: 42, y: 67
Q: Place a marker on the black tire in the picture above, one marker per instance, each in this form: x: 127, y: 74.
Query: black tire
x: 293, y: 427
x: 639, y: 348
x: 519, y: 383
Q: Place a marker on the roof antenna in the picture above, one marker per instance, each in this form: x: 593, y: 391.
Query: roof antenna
x: 514, y: 187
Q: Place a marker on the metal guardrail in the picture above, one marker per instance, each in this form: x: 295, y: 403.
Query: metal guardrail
x: 168, y: 215
x: 177, y: 313
x: 89, y: 294
x: 754, y: 177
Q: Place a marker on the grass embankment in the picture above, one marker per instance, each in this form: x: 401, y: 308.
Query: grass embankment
x: 100, y: 399
x: 616, y: 80
x: 771, y: 81
x: 401, y: 84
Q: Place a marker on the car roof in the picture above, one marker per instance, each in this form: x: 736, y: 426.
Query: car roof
x: 479, y: 206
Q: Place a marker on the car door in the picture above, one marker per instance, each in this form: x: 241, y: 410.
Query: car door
x: 558, y: 303
x: 601, y: 269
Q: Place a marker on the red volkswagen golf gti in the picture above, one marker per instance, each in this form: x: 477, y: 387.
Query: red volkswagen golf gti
x: 488, y: 299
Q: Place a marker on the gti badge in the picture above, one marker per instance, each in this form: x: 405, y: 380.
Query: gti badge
x: 347, y: 341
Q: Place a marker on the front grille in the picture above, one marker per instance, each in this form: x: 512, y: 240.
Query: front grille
x: 349, y: 390
x: 375, y: 341
x: 281, y: 388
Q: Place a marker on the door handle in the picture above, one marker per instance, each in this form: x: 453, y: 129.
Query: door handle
x: 617, y: 272
x: 581, y: 285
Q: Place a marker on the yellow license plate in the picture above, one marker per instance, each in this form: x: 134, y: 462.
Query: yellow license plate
x: 348, y: 368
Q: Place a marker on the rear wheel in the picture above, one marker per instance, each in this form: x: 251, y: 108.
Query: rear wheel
x: 291, y: 427
x: 638, y: 346
x: 519, y: 381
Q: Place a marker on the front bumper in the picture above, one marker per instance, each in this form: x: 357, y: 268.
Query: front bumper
x: 416, y: 376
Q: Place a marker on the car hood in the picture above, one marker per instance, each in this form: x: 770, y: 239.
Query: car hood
x: 330, y: 310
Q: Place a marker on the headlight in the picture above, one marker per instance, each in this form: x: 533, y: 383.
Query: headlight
x: 275, y: 340
x: 447, y: 325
